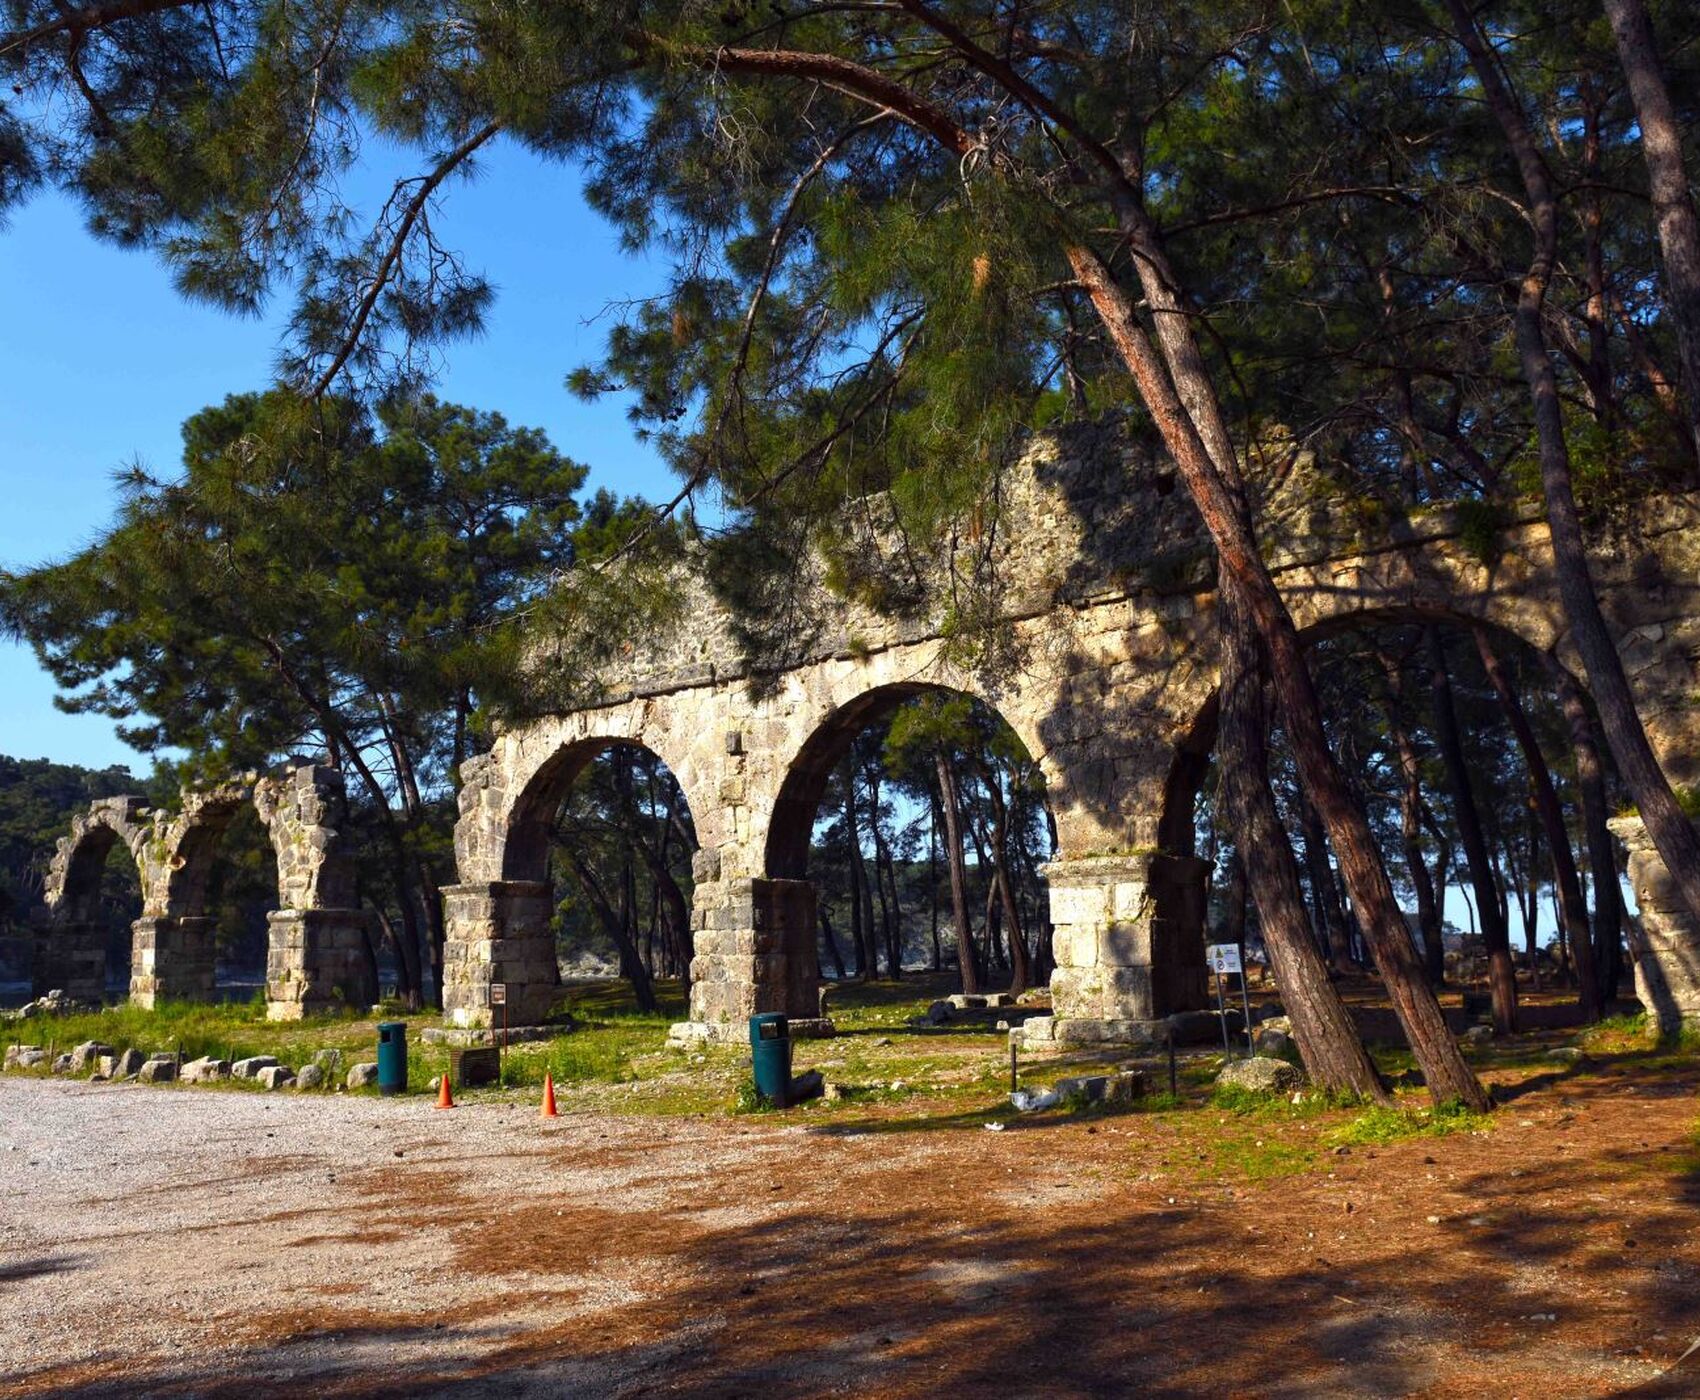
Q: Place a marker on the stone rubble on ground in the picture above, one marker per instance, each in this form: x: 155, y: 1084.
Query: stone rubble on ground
x: 205, y: 1070
x: 126, y: 1063
x: 1124, y: 1086
x: 84, y: 1057
x: 158, y: 1071
x: 312, y: 1076
x: 275, y: 1077
x: 362, y: 1076
x: 250, y: 1067
x: 1261, y: 1075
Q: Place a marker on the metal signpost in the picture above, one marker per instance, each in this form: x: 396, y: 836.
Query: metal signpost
x: 499, y: 997
x: 1224, y: 958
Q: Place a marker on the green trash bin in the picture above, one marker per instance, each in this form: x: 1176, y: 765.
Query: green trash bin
x: 770, y: 1046
x: 392, y: 1057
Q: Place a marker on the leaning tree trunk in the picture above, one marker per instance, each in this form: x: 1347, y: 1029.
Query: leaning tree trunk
x: 1329, y: 1044
x: 1330, y: 916
x: 614, y: 925
x: 958, y: 873
x: 1572, y: 907
x: 1490, y: 913
x: 1602, y: 847
x: 1673, y: 835
x: 1667, y: 182
x: 1211, y: 476
x: 1411, y: 824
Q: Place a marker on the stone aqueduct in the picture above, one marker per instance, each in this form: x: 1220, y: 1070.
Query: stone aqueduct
x: 316, y: 953
x: 1102, y: 577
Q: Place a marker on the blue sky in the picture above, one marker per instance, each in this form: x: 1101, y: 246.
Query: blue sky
x: 101, y: 361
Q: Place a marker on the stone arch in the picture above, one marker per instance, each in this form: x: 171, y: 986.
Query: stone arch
x: 790, y: 822
x: 71, y: 942
x: 1197, y: 742
x: 316, y: 939
x: 509, y: 797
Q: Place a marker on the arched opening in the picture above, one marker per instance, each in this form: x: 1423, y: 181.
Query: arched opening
x: 920, y: 817
x: 1487, y: 784
x: 89, y: 952
x: 606, y: 827
x: 238, y: 890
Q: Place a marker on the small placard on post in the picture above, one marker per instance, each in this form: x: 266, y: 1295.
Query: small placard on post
x: 1223, y: 957
x: 498, y: 994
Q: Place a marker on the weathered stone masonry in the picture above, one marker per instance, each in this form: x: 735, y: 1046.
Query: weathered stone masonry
x: 1107, y: 590
x: 316, y: 954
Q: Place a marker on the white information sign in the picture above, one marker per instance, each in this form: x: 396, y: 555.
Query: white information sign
x: 1222, y: 957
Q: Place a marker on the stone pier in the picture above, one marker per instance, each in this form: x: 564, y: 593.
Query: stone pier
x: 1666, y: 950
x: 172, y: 958
x: 1127, y: 936
x: 499, y: 932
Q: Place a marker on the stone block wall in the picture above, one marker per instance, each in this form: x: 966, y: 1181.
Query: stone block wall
x: 499, y: 931
x: 71, y: 955
x: 316, y: 962
x: 172, y: 959
x: 1666, y: 948
x: 1127, y: 936
x: 755, y: 951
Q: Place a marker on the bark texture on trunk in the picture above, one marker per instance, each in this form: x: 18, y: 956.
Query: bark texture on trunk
x: 1328, y: 1041
x: 1573, y: 911
x: 1212, y: 486
x: 1667, y: 182
x: 1672, y: 834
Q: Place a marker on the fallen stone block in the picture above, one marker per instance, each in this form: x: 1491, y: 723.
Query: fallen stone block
x: 362, y: 1076
x: 28, y: 1057
x: 250, y: 1067
x: 126, y: 1063
x: 330, y: 1061
x: 86, y: 1056
x: 205, y: 1070
x: 1261, y: 1075
x: 1272, y: 1042
x: 275, y: 1077
x: 158, y: 1071
x: 62, y: 1063
x: 1122, y: 1087
x: 311, y: 1077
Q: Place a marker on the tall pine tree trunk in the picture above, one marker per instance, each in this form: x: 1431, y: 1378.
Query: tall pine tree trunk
x: 1211, y: 476
x: 1490, y: 913
x: 965, y: 961
x: 1329, y: 1044
x: 1667, y: 181
x: 1573, y: 909
x: 1672, y: 834
x: 1411, y: 823
x: 1330, y: 917
x: 1602, y: 846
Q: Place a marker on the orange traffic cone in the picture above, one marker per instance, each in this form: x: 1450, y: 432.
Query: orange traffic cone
x: 549, y: 1098
x: 444, y: 1098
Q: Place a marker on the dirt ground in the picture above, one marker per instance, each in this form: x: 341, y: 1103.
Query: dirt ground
x: 172, y: 1242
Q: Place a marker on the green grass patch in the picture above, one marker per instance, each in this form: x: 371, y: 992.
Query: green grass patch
x: 1381, y: 1123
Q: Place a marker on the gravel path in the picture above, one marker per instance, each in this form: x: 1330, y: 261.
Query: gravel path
x: 227, y: 1244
